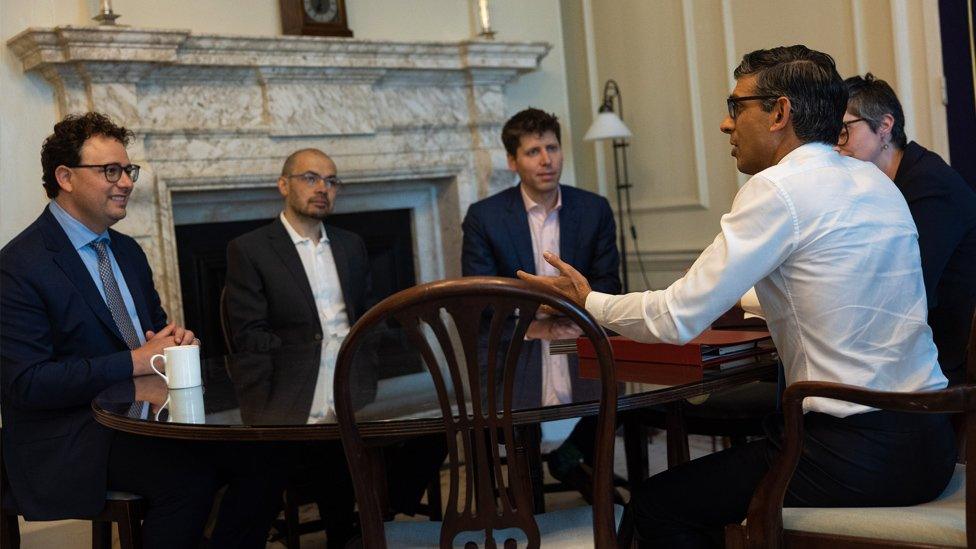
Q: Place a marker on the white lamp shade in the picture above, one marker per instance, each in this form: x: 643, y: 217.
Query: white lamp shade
x: 607, y: 126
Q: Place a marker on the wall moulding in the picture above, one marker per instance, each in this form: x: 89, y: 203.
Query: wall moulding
x: 416, y: 121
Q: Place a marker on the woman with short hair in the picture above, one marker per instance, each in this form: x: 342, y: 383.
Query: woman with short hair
x: 942, y: 205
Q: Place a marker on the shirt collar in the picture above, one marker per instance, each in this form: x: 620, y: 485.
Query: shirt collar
x: 79, y: 235
x: 531, y: 204
x: 297, y: 238
x: 807, y: 150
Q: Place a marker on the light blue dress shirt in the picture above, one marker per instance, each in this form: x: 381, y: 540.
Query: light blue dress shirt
x: 80, y: 237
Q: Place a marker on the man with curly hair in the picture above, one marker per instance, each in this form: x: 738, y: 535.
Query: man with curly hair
x: 79, y: 313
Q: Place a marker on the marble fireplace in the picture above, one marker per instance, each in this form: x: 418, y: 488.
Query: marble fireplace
x: 411, y: 125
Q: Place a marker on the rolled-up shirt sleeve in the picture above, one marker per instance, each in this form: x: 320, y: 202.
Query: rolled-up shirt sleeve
x: 756, y: 237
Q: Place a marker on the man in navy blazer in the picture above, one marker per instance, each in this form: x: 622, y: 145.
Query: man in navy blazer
x: 80, y: 313
x: 510, y: 230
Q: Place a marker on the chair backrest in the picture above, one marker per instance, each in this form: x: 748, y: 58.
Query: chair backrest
x: 225, y: 322
x: 470, y: 333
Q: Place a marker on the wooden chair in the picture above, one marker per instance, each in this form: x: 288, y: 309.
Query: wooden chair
x: 443, y: 321
x: 225, y: 323
x: 950, y: 520
x: 123, y: 508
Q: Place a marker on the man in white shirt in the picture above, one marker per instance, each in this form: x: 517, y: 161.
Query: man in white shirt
x: 299, y: 281
x: 830, y: 246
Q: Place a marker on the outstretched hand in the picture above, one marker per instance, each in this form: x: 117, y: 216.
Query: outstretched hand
x: 570, y: 283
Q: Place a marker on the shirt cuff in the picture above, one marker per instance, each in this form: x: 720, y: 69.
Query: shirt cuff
x: 596, y: 305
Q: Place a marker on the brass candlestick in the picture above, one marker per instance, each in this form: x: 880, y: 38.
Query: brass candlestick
x: 105, y: 14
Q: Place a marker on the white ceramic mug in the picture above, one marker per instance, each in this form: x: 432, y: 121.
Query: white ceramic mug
x: 181, y: 364
x: 185, y: 406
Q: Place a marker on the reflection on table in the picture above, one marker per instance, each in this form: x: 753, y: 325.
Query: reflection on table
x: 288, y: 393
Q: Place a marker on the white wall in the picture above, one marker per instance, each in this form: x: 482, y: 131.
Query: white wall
x: 27, y: 110
x: 673, y: 60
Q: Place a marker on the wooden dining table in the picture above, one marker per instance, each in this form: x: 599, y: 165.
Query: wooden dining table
x: 285, y: 395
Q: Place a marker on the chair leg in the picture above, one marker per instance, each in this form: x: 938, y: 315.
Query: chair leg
x: 9, y: 532
x: 101, y: 534
x: 531, y: 443
x: 635, y: 450
x: 674, y: 422
x: 434, y: 500
x: 293, y: 534
x: 734, y: 537
x: 625, y: 533
x: 130, y: 528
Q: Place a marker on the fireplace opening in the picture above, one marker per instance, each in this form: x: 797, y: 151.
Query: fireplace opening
x: 202, y: 256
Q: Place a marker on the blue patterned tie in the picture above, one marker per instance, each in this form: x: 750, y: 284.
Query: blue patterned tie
x: 113, y: 297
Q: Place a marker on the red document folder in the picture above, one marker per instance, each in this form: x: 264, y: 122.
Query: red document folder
x: 664, y: 363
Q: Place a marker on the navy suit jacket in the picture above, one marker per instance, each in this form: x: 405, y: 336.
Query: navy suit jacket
x: 498, y: 242
x: 59, y: 347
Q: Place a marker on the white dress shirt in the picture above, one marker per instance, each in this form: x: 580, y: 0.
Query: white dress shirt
x: 320, y: 269
x: 323, y: 398
x: 832, y: 250
x: 557, y: 388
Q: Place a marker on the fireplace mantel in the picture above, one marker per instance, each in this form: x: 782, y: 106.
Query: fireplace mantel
x: 217, y: 113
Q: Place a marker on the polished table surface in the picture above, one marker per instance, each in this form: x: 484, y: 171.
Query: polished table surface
x: 287, y: 394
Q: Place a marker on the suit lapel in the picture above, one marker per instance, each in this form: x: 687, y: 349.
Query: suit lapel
x: 68, y: 260
x: 341, y: 259
x: 517, y: 221
x: 569, y: 222
x: 283, y: 246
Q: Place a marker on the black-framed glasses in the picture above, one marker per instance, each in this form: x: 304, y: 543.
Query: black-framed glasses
x: 845, y: 132
x: 733, y: 101
x: 113, y: 171
x: 312, y: 179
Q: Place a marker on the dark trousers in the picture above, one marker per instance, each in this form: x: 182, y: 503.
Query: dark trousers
x: 178, y: 480
x: 323, y: 475
x: 873, y: 459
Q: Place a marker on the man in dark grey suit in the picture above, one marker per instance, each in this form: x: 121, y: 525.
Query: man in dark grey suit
x: 298, y: 281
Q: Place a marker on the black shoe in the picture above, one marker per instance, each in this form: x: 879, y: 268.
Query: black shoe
x: 563, y: 460
x: 580, y: 478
